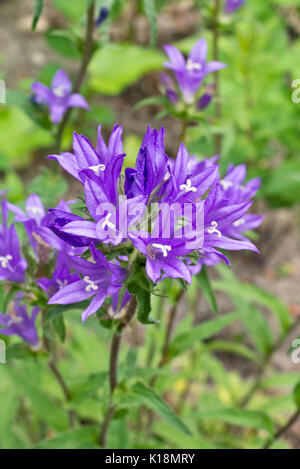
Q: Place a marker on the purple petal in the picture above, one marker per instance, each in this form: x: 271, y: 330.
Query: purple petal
x: 77, y: 100
x: 199, y: 52
x: 61, y: 81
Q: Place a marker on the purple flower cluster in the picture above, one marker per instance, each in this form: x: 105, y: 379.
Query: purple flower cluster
x: 166, y: 217
x: 189, y: 74
x: 168, y: 249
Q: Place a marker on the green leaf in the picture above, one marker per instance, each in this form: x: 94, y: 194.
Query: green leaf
x: 44, y: 406
x: 258, y: 328
x: 38, y: 8
x: 60, y: 328
x: 253, y: 294
x: 207, y: 290
x: 187, y: 340
x: 64, y: 43
x: 296, y: 395
x: 240, y: 417
x: 116, y: 66
x: 151, y: 399
x: 232, y: 347
x: 80, y: 438
x: 57, y: 310
x: 152, y: 100
x: 150, y: 12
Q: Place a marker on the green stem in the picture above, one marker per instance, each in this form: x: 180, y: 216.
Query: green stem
x: 86, y: 57
x: 113, y: 367
x: 282, y: 430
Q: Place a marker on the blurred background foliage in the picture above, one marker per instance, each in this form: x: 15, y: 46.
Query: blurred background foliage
x: 217, y: 363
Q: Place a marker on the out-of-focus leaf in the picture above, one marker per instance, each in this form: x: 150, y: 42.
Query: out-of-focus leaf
x: 240, y: 417
x: 80, y: 438
x: 114, y: 67
x: 187, y: 340
x: 253, y: 294
x: 232, y: 347
x: 44, y: 406
x: 64, y: 43
x: 258, y: 328
x: 60, y: 328
x: 38, y: 8
x: 153, y: 401
x: 150, y: 12
x: 207, y: 290
x: 296, y: 395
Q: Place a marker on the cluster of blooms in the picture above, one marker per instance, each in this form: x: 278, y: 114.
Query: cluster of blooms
x: 156, y: 179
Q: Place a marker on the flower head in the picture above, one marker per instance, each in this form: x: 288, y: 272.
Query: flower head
x: 99, y: 279
x: 12, y: 265
x: 191, y: 72
x: 58, y: 97
x: 20, y: 323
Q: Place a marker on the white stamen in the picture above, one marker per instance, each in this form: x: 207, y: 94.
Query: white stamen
x: 14, y: 320
x: 188, y: 186
x: 91, y: 284
x: 61, y: 284
x: 4, y: 260
x: 225, y: 184
x: 59, y: 91
x: 192, y: 66
x: 239, y: 222
x: 163, y: 247
x: 35, y: 210
x: 213, y: 229
x: 97, y: 168
x: 108, y: 223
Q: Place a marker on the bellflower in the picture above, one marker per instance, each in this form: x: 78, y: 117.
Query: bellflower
x: 103, y: 14
x: 61, y: 276
x: 191, y: 72
x: 34, y: 219
x: 235, y: 191
x: 99, y: 279
x: 12, y: 265
x: 20, y: 323
x: 86, y: 160
x: 58, y: 97
x: 232, y: 5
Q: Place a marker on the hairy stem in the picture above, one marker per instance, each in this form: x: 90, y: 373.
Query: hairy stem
x: 86, y: 57
x: 58, y: 376
x: 113, y: 367
x: 169, y: 329
x: 264, y: 365
x: 218, y: 108
x: 282, y: 430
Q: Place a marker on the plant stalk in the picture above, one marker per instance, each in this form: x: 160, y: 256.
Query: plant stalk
x: 113, y: 367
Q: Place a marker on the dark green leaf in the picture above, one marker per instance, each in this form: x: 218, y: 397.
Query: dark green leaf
x: 152, y: 400
x: 150, y: 12
x: 38, y: 8
x: 207, y: 290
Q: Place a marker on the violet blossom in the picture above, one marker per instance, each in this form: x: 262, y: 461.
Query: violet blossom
x: 190, y: 73
x: 12, y: 265
x: 232, y: 5
x: 58, y: 97
x: 20, y: 323
x: 99, y: 279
